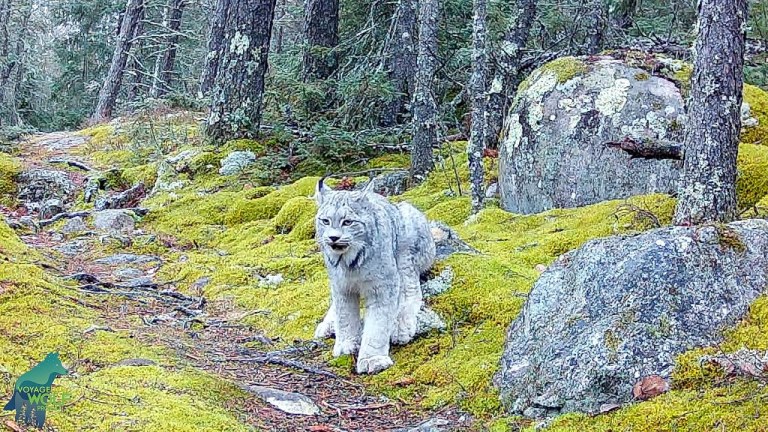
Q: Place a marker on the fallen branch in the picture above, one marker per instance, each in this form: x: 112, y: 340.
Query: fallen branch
x: 72, y: 163
x: 60, y: 216
x: 647, y: 150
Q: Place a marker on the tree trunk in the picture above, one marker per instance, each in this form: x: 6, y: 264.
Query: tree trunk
x: 424, y: 105
x: 137, y: 68
x: 321, y: 31
x: 111, y: 87
x: 9, y: 63
x: 400, y: 59
x: 477, y: 87
x: 236, y: 99
x: 163, y: 76
x: 508, y: 75
x: 623, y: 14
x: 215, y: 46
x: 708, y: 184
x: 596, y: 26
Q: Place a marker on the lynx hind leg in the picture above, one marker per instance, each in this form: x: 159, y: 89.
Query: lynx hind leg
x: 327, y: 328
x: 410, y: 304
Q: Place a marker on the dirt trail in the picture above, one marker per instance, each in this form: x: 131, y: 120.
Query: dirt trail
x: 203, y: 332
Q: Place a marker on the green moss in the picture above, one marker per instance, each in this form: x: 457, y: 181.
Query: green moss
x: 9, y: 170
x: 257, y: 147
x: 752, y: 177
x: 39, y: 314
x: 392, y: 160
x: 642, y: 76
x: 566, y: 68
x: 757, y: 99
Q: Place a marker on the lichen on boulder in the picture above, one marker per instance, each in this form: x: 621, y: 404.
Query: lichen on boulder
x: 616, y: 310
x: 588, y: 129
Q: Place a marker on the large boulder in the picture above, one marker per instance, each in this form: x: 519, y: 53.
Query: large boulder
x: 39, y: 185
x: 618, y: 310
x: 590, y: 129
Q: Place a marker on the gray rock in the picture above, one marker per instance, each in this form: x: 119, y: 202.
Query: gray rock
x: 74, y: 247
x: 124, y: 259
x: 554, y: 153
x: 439, y: 284
x: 127, y: 273
x: 139, y: 282
x: 39, y: 185
x: 127, y: 198
x: 616, y: 310
x: 114, y: 221
x: 291, y: 403
x: 389, y: 184
x: 74, y: 226
x: 428, y: 320
x: 167, y: 179
x: 51, y: 208
x: 236, y: 162
x: 431, y: 425
x: 136, y: 362
x: 447, y: 242
x: 492, y: 191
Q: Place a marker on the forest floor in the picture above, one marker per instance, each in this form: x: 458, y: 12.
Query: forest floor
x: 207, y: 334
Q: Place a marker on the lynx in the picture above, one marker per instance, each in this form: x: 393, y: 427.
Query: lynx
x: 374, y: 251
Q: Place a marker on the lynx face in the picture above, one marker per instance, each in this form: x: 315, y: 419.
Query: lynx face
x: 341, y: 223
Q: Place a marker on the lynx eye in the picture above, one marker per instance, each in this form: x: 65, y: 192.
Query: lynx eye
x: 346, y: 222
x: 325, y: 221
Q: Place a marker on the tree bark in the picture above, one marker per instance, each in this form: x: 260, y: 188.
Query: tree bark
x: 424, y: 105
x: 508, y: 76
x: 400, y: 59
x: 321, y: 33
x: 215, y: 46
x: 596, y: 26
x: 477, y: 87
x: 711, y: 145
x: 9, y: 65
x: 236, y: 99
x: 137, y: 68
x: 111, y: 87
x: 163, y: 76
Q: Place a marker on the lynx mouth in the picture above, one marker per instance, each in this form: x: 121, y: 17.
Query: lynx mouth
x: 339, y: 247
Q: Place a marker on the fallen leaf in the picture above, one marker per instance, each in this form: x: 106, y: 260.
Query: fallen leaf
x: 320, y: 428
x: 649, y: 387
x: 10, y: 424
x: 604, y: 408
x: 403, y: 382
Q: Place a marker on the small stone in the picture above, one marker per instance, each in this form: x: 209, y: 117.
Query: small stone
x: 650, y: 387
x: 272, y: 280
x: 236, y: 162
x: 51, y: 208
x: 428, y: 320
x: 431, y: 425
x: 492, y: 191
x: 136, y: 362
x: 74, y: 226
x: 291, y: 403
x: 114, y: 221
x: 439, y: 284
x: 123, y: 259
x: 541, y: 268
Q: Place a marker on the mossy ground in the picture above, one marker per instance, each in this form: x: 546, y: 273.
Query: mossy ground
x: 236, y: 235
x: 40, y: 314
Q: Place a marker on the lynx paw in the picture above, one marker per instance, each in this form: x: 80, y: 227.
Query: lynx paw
x: 344, y: 347
x: 324, y: 330
x: 405, y: 330
x: 373, y: 364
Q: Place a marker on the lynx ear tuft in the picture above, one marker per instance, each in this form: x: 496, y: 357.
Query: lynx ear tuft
x: 320, y: 190
x: 370, y: 187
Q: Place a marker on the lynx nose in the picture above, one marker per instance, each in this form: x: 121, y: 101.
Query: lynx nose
x: 333, y: 239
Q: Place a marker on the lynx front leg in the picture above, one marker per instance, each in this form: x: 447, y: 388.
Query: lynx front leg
x: 347, y: 307
x: 380, y: 314
x: 410, y: 304
x: 327, y: 327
